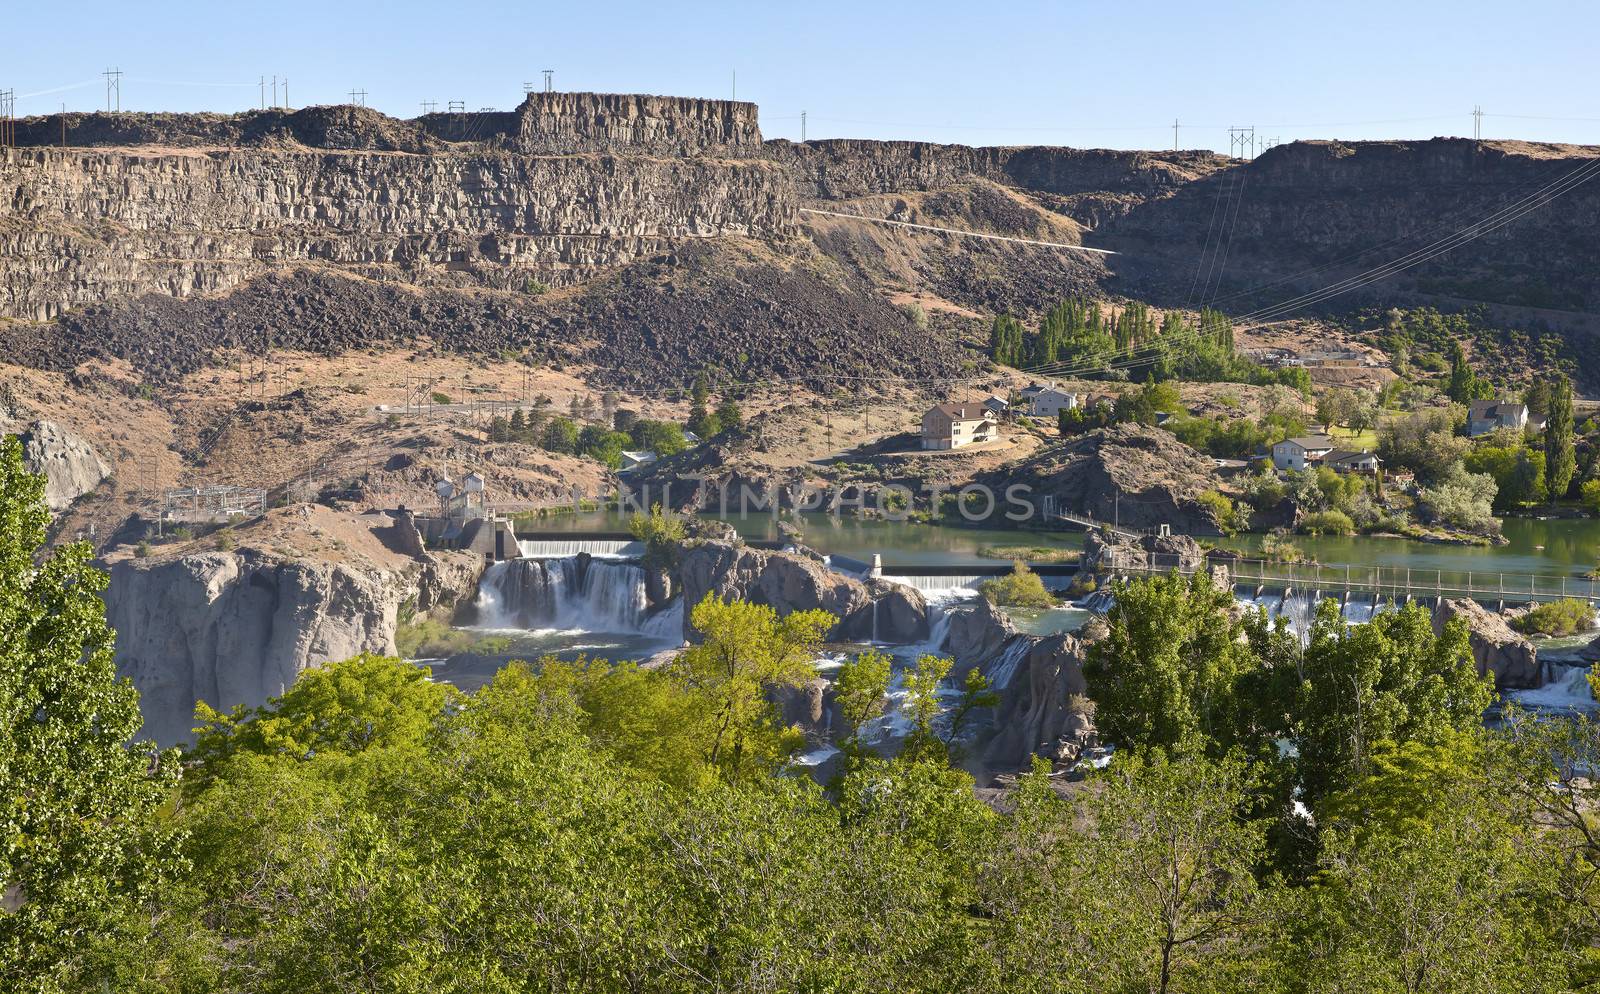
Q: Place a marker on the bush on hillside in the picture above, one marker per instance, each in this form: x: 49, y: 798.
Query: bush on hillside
x: 1327, y: 523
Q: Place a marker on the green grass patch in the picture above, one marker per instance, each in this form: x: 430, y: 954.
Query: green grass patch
x: 1031, y: 553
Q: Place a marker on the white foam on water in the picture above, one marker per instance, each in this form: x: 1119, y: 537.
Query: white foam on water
x: 564, y: 548
x: 566, y: 595
x: 1567, y: 691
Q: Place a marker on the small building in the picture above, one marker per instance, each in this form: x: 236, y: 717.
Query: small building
x: 1485, y: 416
x: 1050, y: 402
x: 633, y: 460
x: 1347, y: 461
x: 1298, y: 453
x: 997, y: 405
x: 951, y: 426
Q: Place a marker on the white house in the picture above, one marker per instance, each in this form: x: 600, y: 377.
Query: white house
x: 1346, y: 461
x: 950, y: 426
x: 633, y: 460
x: 1050, y: 402
x: 1298, y: 453
x: 1485, y: 416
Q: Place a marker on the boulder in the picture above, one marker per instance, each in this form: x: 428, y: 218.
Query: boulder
x: 70, y: 465
x: 1105, y: 551
x: 978, y: 634
x: 789, y: 582
x: 1497, y: 649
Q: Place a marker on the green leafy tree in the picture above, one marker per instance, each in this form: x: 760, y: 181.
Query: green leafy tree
x: 729, y: 416
x: 1166, y: 674
x: 1560, y: 452
x: 1006, y: 341
x: 701, y: 420
x: 79, y: 848
x: 1391, y: 679
x: 560, y: 435
x: 861, y: 692
x: 745, y: 650
x: 661, y: 437
x: 1019, y: 588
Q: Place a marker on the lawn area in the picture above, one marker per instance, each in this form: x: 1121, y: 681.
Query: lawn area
x: 1349, y: 438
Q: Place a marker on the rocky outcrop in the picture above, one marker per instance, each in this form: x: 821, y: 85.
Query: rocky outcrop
x: 570, y: 123
x: 978, y: 634
x: 1111, y: 551
x: 238, y: 627
x: 789, y: 582
x: 1496, y: 648
x: 1045, y: 710
x: 70, y: 465
x: 1137, y: 476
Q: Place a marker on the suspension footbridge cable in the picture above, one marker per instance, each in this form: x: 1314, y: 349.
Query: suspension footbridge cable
x: 957, y: 231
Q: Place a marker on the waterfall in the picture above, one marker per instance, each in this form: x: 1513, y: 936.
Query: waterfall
x: 565, y: 548
x: 1567, y: 692
x: 1005, y: 667
x: 941, y: 587
x: 572, y: 594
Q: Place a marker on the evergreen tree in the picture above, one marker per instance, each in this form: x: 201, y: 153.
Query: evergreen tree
x: 517, y: 430
x: 729, y: 416
x: 1006, y: 341
x: 1560, y: 453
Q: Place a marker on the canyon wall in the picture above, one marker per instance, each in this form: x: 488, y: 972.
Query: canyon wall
x: 81, y: 226
x: 568, y: 123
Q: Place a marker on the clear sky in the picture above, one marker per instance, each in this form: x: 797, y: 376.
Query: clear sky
x: 1112, y: 73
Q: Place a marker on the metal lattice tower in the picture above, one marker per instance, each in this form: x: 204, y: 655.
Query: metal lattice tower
x: 358, y: 98
x: 1242, y: 142
x: 549, y: 80
x: 8, y: 118
x: 113, y: 89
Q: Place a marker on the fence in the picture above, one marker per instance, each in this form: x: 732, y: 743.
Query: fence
x: 1394, y: 581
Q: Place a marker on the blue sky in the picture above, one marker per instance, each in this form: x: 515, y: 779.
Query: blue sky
x: 1101, y: 74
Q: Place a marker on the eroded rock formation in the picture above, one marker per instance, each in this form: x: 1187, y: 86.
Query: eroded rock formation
x: 789, y: 582
x: 1497, y: 649
x: 70, y: 465
x: 237, y: 627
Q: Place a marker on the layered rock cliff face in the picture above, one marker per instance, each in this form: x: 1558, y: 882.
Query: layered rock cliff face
x: 238, y: 627
x: 567, y: 123
x: 77, y: 226
x: 70, y: 465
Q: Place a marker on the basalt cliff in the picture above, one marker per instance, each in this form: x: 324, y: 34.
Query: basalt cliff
x: 664, y: 235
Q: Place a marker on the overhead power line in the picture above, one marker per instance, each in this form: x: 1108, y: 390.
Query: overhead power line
x: 955, y: 231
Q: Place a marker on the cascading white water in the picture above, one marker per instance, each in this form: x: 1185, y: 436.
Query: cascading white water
x: 572, y: 595
x: 1567, y: 691
x: 1005, y: 667
x: 565, y: 548
x: 941, y: 587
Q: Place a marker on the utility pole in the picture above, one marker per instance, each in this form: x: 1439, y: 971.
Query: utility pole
x: 113, y: 88
x: 802, y: 125
x: 358, y: 98
x: 285, y: 93
x: 263, y: 84
x: 1477, y: 123
x: 736, y: 84
x: 274, y: 91
x: 549, y: 80
x: 1174, y: 134
x: 428, y: 106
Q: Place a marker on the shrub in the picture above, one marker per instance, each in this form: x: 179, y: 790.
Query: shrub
x: 439, y: 398
x: 1327, y: 523
x: 1019, y: 588
x: 1563, y: 617
x: 1222, y: 509
x: 1464, y: 500
x: 1589, y: 493
x: 660, y: 532
x: 142, y: 550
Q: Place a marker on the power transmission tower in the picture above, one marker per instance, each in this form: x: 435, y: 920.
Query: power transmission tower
x: 8, y: 118
x: 802, y: 125
x: 549, y: 80
x: 1174, y: 134
x: 113, y: 88
x: 263, y: 85
x: 358, y: 98
x: 286, y: 93
x: 1477, y: 123
x: 1242, y: 142
x: 429, y: 106
x: 274, y: 90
